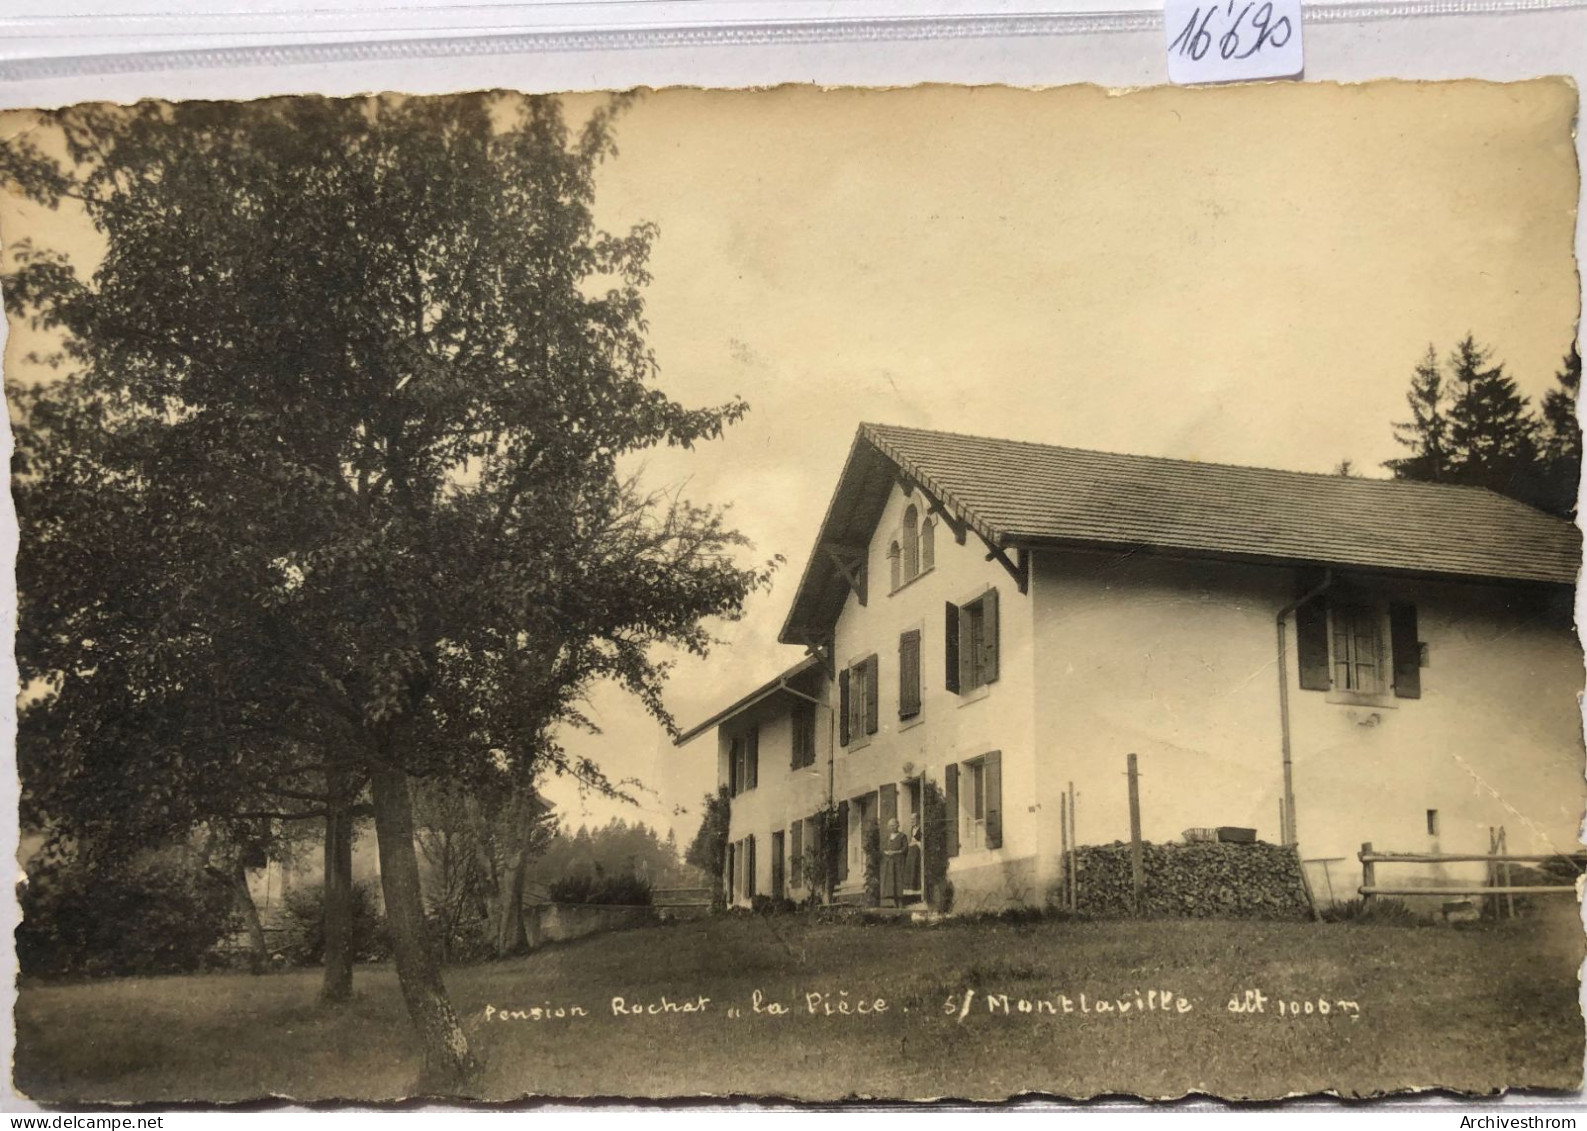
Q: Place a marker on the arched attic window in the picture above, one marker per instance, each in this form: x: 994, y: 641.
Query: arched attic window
x: 911, y: 535
x: 928, y: 545
x: 893, y: 566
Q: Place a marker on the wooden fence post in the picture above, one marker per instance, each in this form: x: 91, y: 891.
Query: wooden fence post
x: 1074, y: 856
x: 1137, y: 866
x: 1368, y: 871
x: 1063, y: 852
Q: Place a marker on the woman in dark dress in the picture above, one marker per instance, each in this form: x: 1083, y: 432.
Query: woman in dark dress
x: 894, y: 845
x: 914, y: 875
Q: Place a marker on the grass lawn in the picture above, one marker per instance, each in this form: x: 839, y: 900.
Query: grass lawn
x: 1475, y: 1010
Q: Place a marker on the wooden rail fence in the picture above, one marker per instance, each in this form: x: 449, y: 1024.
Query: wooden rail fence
x: 1370, y: 859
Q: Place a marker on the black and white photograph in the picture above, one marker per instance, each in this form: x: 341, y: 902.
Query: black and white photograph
x: 802, y: 594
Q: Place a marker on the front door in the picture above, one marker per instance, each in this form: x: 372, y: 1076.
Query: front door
x: 778, y: 858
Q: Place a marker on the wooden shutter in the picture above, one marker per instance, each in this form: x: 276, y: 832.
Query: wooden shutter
x: 950, y: 806
x: 796, y: 725
x: 909, y: 674
x: 749, y: 866
x: 887, y: 804
x: 1407, y: 651
x: 872, y: 695
x: 843, y: 707
x: 1311, y: 645
x: 752, y: 758
x: 989, y: 636
x: 843, y: 841
x: 729, y: 877
x: 992, y: 770
x: 950, y: 677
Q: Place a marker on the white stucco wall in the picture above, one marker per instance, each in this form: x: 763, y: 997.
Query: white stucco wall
x: 1176, y: 662
x: 949, y: 727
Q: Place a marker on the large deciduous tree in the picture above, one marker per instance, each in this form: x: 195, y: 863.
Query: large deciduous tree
x: 326, y: 493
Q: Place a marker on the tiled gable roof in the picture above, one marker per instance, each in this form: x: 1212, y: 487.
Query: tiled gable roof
x: 1015, y: 493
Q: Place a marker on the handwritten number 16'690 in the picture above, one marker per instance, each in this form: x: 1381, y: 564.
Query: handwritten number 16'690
x: 1196, y: 39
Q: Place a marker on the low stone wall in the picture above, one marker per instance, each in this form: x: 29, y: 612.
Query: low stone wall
x: 557, y: 922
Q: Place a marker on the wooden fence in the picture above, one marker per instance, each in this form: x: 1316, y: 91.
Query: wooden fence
x: 1498, y: 866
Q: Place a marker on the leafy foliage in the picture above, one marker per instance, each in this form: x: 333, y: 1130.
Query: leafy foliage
x: 159, y: 914
x: 623, y: 890
x: 304, y: 941
x: 871, y: 849
x: 708, y: 850
x: 327, y: 490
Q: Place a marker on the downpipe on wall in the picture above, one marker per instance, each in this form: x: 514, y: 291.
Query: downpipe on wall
x: 1288, y: 831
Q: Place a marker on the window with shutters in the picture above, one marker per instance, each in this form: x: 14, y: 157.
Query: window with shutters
x: 972, y: 644
x: 909, y: 675
x: 980, y: 798
x: 858, y: 696
x: 744, y: 762
x: 804, y: 735
x: 1359, y: 650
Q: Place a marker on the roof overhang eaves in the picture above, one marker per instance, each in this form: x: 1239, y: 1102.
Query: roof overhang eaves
x: 1050, y: 542
x: 757, y: 696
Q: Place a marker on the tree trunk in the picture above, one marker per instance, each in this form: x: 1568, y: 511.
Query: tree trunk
x: 509, y: 905
x: 449, y: 1065
x: 258, y: 949
x: 338, y: 910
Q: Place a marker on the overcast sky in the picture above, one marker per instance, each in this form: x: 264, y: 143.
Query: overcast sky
x: 1245, y: 274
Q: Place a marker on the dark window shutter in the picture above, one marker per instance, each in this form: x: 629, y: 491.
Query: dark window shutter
x: 843, y: 841
x: 993, y: 771
x: 887, y: 804
x: 843, y: 707
x: 872, y: 695
x: 752, y: 758
x: 796, y: 725
x: 950, y: 677
x: 749, y: 866
x: 1311, y: 645
x: 1407, y: 651
x: 989, y: 636
x: 950, y: 806
x: 909, y: 674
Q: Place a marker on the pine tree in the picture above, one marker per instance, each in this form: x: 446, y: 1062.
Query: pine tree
x: 1561, y: 438
x: 1492, y: 433
x: 1427, y: 432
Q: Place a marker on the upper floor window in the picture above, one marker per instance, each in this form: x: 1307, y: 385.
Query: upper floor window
x: 744, y: 762
x: 913, y: 551
x: 858, y: 713
x: 1342, y: 648
x: 909, y: 674
x: 1357, y: 649
x: 911, y: 543
x: 804, y: 735
x: 971, y: 633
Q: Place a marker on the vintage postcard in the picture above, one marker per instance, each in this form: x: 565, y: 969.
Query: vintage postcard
x: 817, y: 594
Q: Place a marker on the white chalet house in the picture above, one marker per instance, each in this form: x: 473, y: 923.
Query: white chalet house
x: 1327, y: 660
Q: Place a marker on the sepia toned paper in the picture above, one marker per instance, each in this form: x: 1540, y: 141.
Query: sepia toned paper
x: 1088, y: 338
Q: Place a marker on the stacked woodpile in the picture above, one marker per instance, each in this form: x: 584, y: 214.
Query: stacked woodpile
x: 1194, y: 881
